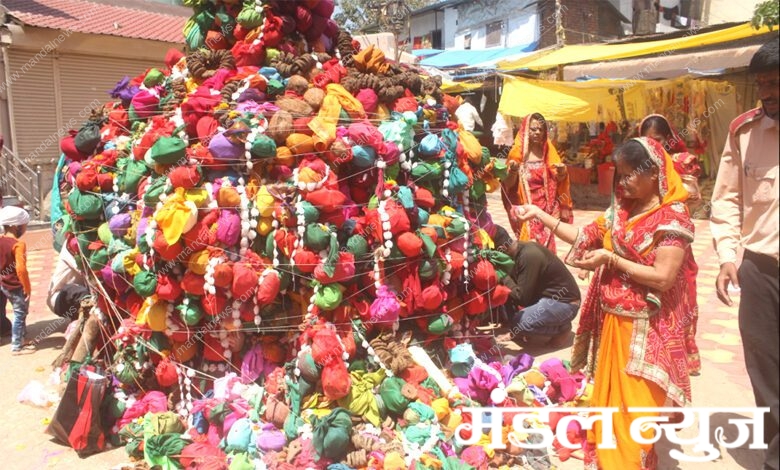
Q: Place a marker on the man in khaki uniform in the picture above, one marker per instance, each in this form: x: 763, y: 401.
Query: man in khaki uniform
x: 745, y: 214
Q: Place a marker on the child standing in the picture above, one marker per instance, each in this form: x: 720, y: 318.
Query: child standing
x: 14, y: 280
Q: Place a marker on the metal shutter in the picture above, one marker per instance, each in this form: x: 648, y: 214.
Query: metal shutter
x: 83, y: 79
x: 35, y: 120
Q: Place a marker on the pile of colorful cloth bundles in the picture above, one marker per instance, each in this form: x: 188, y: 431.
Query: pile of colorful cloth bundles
x: 272, y: 223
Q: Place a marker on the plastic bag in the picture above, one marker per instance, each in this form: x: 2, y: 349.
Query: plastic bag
x: 35, y: 393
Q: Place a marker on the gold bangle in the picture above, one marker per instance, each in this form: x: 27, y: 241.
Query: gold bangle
x: 614, y: 260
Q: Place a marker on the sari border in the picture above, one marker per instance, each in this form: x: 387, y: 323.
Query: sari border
x: 638, y: 367
x: 577, y: 246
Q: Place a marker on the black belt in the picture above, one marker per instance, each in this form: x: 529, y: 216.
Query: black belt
x: 765, y: 263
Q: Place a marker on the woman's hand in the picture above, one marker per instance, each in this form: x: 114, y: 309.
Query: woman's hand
x: 593, y: 259
x: 526, y: 212
x: 560, y: 172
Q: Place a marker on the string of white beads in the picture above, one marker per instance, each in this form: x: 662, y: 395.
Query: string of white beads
x: 208, y: 277
x: 466, y: 253
x: 300, y: 229
x: 445, y: 182
x: 447, y: 276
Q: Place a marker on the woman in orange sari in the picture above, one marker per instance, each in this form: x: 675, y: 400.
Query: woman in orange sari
x: 536, y: 176
x: 631, y: 336
x: 686, y: 164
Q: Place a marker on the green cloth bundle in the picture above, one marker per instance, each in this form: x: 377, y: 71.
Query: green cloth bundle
x: 86, y: 206
x: 329, y: 296
x: 332, y: 434
x: 263, y: 146
x: 390, y: 391
x: 357, y: 245
x: 145, y: 283
x: 317, y: 237
x: 168, y: 150
x: 162, y: 451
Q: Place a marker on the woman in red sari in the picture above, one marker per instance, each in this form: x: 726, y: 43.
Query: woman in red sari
x: 686, y: 164
x: 536, y: 176
x: 631, y: 336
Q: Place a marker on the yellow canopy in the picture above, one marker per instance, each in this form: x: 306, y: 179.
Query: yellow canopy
x: 594, y: 52
x: 594, y: 100
x: 459, y: 87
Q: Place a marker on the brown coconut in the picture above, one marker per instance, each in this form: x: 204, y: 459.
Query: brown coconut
x: 295, y: 106
x: 314, y: 97
x: 280, y: 126
x: 297, y: 85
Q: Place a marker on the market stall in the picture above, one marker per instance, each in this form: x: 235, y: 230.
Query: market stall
x: 589, y: 119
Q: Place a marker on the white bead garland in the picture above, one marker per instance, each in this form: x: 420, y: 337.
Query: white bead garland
x: 246, y: 218
x: 445, y: 182
x: 300, y: 229
x: 406, y: 160
x: 275, y: 252
x: 181, y: 409
x: 310, y: 307
x: 188, y: 387
x: 387, y: 235
x: 208, y: 277
x: 445, y: 278
x: 466, y: 255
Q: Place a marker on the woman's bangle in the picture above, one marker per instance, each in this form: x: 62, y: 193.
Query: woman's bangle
x: 614, y: 261
x: 556, y: 226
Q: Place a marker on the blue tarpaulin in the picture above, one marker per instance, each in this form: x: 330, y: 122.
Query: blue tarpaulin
x: 426, y: 52
x: 469, y: 57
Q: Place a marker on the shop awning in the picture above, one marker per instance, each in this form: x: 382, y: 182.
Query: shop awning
x: 670, y: 66
x: 486, y: 58
x: 598, y: 52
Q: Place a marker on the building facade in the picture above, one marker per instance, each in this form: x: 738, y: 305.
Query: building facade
x: 60, y: 58
x: 489, y: 24
x: 433, y: 27
x: 662, y: 16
